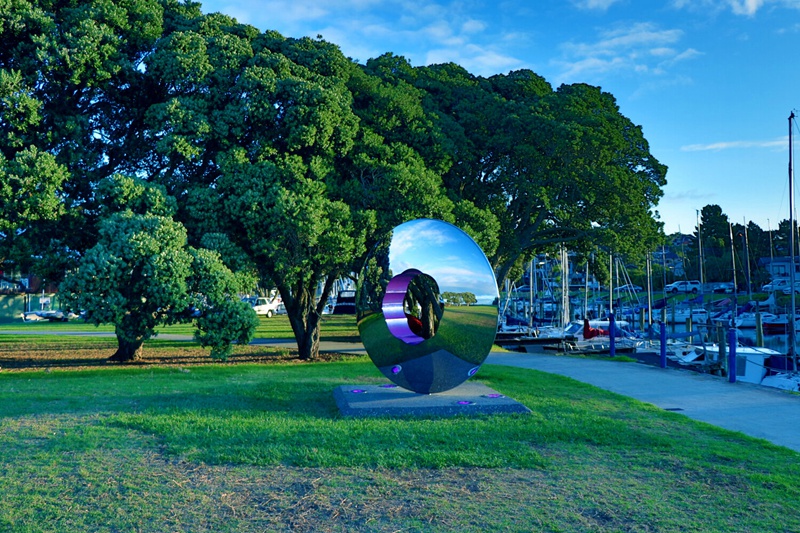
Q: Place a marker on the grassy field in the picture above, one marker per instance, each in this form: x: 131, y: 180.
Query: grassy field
x: 257, y: 445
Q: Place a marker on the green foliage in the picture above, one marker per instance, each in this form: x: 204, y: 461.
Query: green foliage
x: 459, y: 298
x: 224, y: 318
x: 118, y: 193
x: 135, y: 277
x: 142, y: 275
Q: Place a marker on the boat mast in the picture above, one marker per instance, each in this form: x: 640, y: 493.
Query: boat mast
x: 747, y: 265
x: 735, y: 286
x: 791, y: 321
x: 530, y: 296
x: 700, y: 249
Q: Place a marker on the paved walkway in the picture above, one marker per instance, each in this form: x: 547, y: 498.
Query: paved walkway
x: 761, y: 412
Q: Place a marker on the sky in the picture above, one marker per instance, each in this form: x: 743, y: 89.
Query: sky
x: 711, y: 82
x: 446, y: 254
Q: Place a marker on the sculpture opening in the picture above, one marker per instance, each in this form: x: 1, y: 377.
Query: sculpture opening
x: 412, y: 306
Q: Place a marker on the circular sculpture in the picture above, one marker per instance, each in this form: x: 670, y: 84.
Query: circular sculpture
x: 426, y: 304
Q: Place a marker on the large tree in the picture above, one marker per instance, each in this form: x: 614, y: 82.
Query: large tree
x: 263, y: 133
x: 560, y: 166
x: 72, y: 95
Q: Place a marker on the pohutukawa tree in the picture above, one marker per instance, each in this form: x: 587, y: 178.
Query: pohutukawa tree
x: 142, y: 275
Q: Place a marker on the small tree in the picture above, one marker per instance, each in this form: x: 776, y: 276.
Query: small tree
x: 142, y: 275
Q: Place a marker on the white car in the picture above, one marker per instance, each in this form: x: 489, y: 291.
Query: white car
x: 777, y: 284
x: 628, y: 288
x: 788, y: 288
x: 264, y: 306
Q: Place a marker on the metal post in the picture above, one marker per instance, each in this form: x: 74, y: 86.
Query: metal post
x: 663, y: 345
x: 792, y: 230
x: 723, y: 348
x: 759, y: 329
x: 612, y: 331
x: 732, y: 355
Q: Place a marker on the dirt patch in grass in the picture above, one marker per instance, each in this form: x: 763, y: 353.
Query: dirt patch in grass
x: 77, y: 354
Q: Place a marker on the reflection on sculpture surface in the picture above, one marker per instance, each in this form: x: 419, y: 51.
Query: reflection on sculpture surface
x: 412, y: 329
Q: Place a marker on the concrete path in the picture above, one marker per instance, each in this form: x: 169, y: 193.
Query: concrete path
x: 761, y: 412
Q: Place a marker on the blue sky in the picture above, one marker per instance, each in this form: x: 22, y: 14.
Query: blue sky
x: 711, y: 82
x: 446, y: 254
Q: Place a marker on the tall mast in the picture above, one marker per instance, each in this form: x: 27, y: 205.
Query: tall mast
x: 747, y: 258
x: 700, y: 249
x: 733, y: 266
x: 791, y: 321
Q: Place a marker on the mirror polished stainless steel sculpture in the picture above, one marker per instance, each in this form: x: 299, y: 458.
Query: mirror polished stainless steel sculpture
x: 426, y: 304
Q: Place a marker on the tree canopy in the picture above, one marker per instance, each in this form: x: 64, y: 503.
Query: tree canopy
x: 287, y: 159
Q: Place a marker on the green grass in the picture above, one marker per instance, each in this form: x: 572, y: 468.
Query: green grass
x: 262, y: 448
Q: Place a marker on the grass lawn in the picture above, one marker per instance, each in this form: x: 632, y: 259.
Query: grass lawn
x: 258, y: 445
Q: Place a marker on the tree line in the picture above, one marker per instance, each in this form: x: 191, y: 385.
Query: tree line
x: 720, y: 245
x: 145, y: 143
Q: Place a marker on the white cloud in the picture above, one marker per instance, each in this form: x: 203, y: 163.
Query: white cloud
x: 595, y: 5
x: 473, y: 26
x: 663, y: 52
x: 474, y: 58
x: 738, y: 7
x: 423, y: 31
x: 728, y: 145
x: 641, y: 49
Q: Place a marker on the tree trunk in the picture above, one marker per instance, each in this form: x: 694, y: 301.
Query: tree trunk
x: 127, y: 351
x: 308, y: 339
x: 305, y: 314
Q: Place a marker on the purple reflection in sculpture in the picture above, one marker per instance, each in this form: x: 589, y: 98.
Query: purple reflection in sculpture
x: 394, y: 309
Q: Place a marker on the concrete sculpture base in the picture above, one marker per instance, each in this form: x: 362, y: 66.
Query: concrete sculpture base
x: 470, y: 399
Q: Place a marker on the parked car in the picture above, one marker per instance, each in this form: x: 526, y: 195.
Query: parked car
x: 724, y: 287
x: 629, y: 287
x: 788, y: 288
x: 684, y: 286
x: 775, y: 285
x: 264, y: 306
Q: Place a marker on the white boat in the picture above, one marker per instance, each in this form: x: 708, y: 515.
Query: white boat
x: 779, y: 323
x: 785, y: 381
x: 575, y: 341
x: 750, y: 360
x: 748, y: 320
